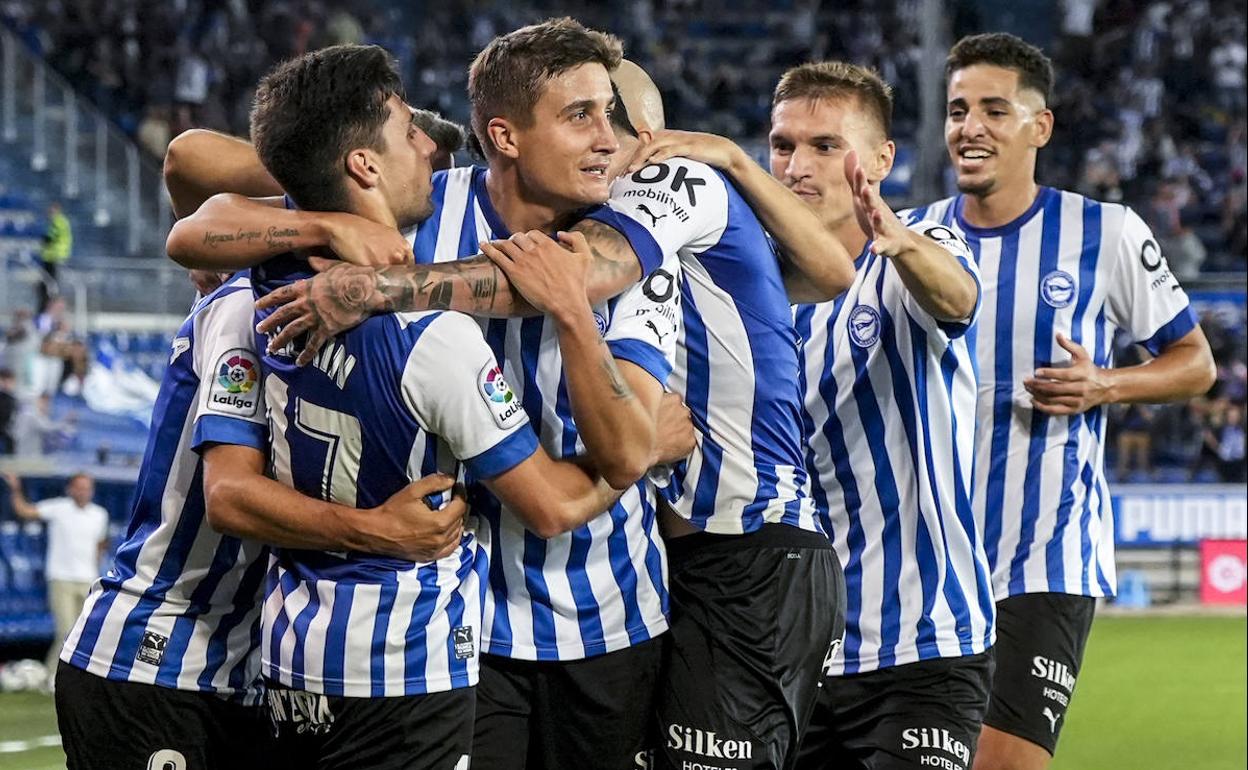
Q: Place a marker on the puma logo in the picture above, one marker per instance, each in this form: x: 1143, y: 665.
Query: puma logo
x: 1052, y: 719
x: 654, y: 328
x: 654, y: 219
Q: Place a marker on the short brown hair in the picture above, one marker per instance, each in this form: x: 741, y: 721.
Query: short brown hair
x: 1001, y: 49
x: 311, y: 111
x: 507, y: 77
x: 838, y: 80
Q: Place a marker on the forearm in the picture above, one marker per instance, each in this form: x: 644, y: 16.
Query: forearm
x: 255, y: 507
x: 474, y: 286
x: 614, y: 424
x: 936, y: 279
x: 22, y: 507
x: 201, y: 163
x: 230, y: 232
x: 817, y: 265
x: 1183, y: 370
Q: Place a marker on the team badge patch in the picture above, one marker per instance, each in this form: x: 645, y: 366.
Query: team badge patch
x: 499, y: 397
x: 864, y: 326
x: 1058, y: 289
x: 236, y: 388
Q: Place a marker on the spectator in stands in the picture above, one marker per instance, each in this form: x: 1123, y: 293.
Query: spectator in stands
x: 1178, y: 432
x: 77, y: 531
x: 64, y: 355
x: 8, y: 410
x: 1226, y: 442
x: 19, y: 348
x: 1135, y: 441
x: 36, y: 433
x: 58, y: 240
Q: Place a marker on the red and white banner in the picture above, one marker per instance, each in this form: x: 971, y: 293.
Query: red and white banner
x: 1224, y: 572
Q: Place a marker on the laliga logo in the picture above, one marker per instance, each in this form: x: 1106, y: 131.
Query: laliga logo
x: 496, y: 388
x: 1058, y: 289
x: 237, y: 375
x: 1226, y: 573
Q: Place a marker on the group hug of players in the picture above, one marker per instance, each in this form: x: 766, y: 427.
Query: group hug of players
x: 619, y: 451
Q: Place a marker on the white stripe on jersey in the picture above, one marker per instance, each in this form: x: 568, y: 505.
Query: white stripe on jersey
x: 180, y: 608
x: 890, y: 409
x: 1085, y: 269
x: 601, y: 587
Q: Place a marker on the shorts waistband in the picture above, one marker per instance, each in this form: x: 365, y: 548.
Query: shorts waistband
x: 772, y: 535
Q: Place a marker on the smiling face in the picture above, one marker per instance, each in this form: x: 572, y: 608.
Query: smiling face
x: 993, y: 129
x: 809, y: 139
x: 563, y: 153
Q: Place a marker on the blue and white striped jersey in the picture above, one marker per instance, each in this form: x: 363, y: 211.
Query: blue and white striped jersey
x: 737, y: 360
x: 601, y: 587
x: 181, y: 606
x: 890, y: 411
x: 395, y: 399
x: 1086, y: 269
x: 398, y: 398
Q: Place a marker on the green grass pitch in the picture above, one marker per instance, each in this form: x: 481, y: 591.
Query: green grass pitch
x: 1157, y: 693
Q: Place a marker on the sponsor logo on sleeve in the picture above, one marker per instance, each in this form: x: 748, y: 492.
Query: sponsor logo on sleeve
x: 1150, y: 256
x: 235, y: 388
x: 864, y: 326
x: 937, y: 747
x: 1058, y: 289
x: 180, y: 346
x: 499, y: 397
x: 948, y: 239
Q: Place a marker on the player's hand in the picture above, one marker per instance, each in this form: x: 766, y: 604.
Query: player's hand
x: 889, y: 237
x: 405, y: 527
x: 340, y: 297
x: 711, y: 149
x: 207, y: 281
x: 675, y: 438
x: 360, y: 241
x: 1070, y: 389
x: 552, y: 275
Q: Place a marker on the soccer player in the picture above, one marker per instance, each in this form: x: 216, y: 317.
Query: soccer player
x: 1061, y: 275
x: 748, y: 561
x: 567, y: 620
x: 170, y: 633
x: 386, y: 650
x: 889, y: 382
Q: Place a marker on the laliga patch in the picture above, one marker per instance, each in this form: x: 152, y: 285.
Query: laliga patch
x: 499, y: 397
x: 235, y: 387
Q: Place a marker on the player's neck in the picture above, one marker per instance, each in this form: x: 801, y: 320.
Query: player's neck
x: 1001, y: 206
x: 850, y: 234
x: 517, y: 206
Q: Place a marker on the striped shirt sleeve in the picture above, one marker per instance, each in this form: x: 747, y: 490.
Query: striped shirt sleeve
x: 1145, y: 298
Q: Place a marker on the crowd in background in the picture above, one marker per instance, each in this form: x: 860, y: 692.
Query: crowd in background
x: 1150, y: 105
x: 1150, y: 95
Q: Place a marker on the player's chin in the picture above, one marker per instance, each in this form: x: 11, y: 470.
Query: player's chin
x: 593, y: 191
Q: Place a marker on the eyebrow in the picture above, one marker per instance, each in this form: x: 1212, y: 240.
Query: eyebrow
x: 987, y: 101
x: 820, y: 139
x: 583, y: 104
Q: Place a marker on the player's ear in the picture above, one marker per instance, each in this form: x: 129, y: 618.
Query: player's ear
x: 645, y: 136
x: 363, y: 166
x: 881, y: 164
x: 1043, y: 128
x: 500, y: 134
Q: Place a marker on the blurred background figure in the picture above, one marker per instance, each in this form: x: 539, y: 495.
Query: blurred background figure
x: 77, y: 531
x: 58, y: 241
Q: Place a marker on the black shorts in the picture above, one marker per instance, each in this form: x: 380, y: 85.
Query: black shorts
x: 108, y: 725
x: 576, y: 714
x: 918, y: 715
x: 410, y: 732
x: 1040, y: 641
x: 753, y: 619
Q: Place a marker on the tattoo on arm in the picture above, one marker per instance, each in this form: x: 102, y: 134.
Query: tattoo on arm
x: 615, y: 263
x: 619, y: 388
x: 277, y: 238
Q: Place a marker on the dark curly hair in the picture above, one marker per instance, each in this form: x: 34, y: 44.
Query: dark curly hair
x: 1000, y: 49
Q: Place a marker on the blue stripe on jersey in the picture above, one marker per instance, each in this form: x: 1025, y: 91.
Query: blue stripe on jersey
x: 587, y: 615
x: 697, y: 399
x: 1003, y: 372
x: 1050, y: 234
x: 298, y: 660
x: 226, y: 430
x: 284, y: 581
x: 1173, y: 330
x: 427, y: 233
x: 250, y: 590
x: 389, y: 589
x: 885, y: 485
x: 929, y: 570
x: 336, y: 632
x: 226, y: 554
x: 501, y: 457
x: 623, y: 570
x: 416, y: 656
x: 646, y: 356
x: 535, y: 586
x: 1091, y: 246
x: 455, y: 610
